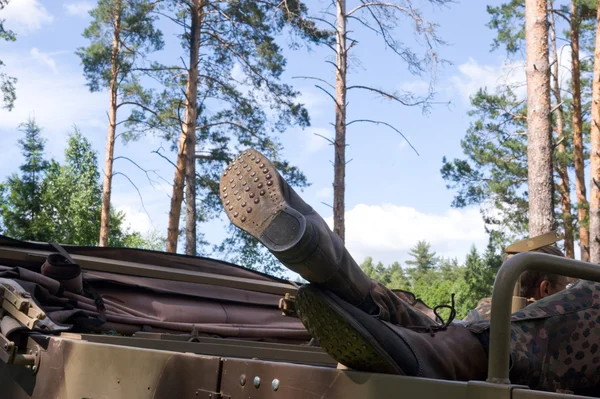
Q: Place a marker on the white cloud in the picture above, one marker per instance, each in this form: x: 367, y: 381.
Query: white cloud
x: 325, y: 192
x: 44, y: 58
x: 57, y: 102
x: 387, y: 232
x: 417, y: 87
x: 473, y: 76
x: 25, y: 16
x: 80, y: 9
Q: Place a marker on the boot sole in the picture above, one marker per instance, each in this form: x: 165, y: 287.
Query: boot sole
x: 251, y: 194
x: 340, y: 335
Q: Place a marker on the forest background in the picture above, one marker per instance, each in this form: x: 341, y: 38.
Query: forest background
x: 432, y: 196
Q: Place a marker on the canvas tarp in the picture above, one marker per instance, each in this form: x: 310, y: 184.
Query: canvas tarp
x: 133, y: 303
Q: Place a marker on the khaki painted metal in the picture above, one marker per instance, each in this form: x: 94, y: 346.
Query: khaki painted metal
x: 75, y: 369
x: 160, y: 272
x: 72, y: 369
x: 216, y: 347
x: 529, y: 244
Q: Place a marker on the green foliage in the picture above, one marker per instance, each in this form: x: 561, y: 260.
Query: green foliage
x: 494, y: 172
x: 242, y: 101
x: 21, y: 209
x: 508, y: 20
x: 137, y: 36
x: 435, y: 283
x: 7, y: 83
x: 424, y: 260
x: 61, y: 203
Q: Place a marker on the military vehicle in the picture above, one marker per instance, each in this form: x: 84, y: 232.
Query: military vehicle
x: 87, y: 322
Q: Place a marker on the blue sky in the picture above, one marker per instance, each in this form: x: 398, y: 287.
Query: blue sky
x: 394, y: 197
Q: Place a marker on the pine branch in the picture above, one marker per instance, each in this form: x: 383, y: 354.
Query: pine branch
x: 388, y: 125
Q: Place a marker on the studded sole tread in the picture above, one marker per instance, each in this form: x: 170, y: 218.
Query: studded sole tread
x: 251, y: 192
x: 343, y: 340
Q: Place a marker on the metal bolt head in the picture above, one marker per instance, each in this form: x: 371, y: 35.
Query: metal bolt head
x: 256, y: 382
x: 275, y: 384
x: 243, y: 379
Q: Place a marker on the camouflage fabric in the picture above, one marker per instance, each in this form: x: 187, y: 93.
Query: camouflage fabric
x: 555, y: 341
x: 482, y: 311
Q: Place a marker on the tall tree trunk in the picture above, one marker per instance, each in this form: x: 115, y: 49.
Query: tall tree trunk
x: 339, y: 178
x: 185, y: 170
x: 564, y: 188
x: 595, y: 154
x: 580, y: 189
x: 539, y: 133
x: 191, y: 111
x: 112, y: 126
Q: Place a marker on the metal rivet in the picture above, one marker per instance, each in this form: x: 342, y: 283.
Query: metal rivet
x: 262, y: 165
x: 268, y: 176
x: 244, y: 183
x: 265, y: 170
x: 247, y: 189
x: 244, y: 203
x: 231, y: 208
x: 249, y: 210
x: 243, y: 218
x: 227, y: 202
x: 262, y: 192
x: 235, y: 214
x: 256, y: 200
x: 225, y: 195
x: 225, y: 188
x: 253, y: 174
x: 230, y: 180
x: 245, y: 165
x: 240, y: 177
x: 256, y: 382
x: 259, y: 185
x: 269, y: 183
x: 275, y: 384
x: 243, y: 379
x: 255, y: 179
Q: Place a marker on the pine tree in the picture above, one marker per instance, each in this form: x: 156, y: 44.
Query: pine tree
x: 595, y: 154
x: 423, y: 259
x: 22, y: 203
x: 242, y: 103
x: 121, y: 34
x: 494, y: 173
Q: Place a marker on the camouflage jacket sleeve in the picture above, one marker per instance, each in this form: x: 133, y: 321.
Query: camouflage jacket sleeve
x: 481, y: 312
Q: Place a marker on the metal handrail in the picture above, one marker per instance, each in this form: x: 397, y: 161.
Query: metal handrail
x: 499, y: 352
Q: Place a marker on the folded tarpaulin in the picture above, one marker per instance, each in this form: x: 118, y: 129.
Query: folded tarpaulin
x: 132, y: 303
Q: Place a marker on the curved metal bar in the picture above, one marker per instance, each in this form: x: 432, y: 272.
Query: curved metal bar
x: 499, y: 352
